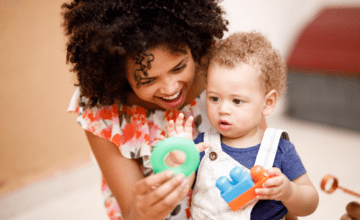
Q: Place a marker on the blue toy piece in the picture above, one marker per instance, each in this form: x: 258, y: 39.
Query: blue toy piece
x: 231, y: 189
x: 241, y: 190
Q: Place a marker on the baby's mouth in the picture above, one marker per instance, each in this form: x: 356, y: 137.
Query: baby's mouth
x: 224, y: 125
x: 222, y: 122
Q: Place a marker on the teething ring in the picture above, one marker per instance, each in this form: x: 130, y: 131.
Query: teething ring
x: 161, y: 150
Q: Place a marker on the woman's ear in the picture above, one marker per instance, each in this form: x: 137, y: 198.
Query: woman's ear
x: 270, y: 102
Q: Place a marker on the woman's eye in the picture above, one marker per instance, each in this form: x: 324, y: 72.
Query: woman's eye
x: 214, y: 99
x: 147, y: 81
x: 237, y: 101
x: 179, y: 68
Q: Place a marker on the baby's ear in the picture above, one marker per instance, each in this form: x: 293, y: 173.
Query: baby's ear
x: 270, y: 102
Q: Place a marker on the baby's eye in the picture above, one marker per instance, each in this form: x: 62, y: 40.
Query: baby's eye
x: 237, y: 101
x: 214, y: 99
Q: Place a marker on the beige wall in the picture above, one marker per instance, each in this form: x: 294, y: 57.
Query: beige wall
x: 37, y: 136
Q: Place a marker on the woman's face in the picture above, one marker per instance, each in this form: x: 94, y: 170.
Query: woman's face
x: 168, y: 79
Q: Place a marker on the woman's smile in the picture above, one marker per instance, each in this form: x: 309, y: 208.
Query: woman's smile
x: 174, y: 100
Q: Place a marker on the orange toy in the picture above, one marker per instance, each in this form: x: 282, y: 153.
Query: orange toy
x: 239, y: 187
x: 335, y: 185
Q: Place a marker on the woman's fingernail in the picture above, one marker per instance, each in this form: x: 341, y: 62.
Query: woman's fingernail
x: 180, y: 177
x: 184, y: 184
x: 169, y: 173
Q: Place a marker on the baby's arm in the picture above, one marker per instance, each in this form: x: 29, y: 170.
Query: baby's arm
x: 181, y: 129
x: 299, y: 196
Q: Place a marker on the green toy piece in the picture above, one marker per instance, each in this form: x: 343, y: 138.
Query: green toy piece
x: 161, y: 150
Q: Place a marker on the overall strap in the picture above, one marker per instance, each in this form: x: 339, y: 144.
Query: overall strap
x: 213, y: 137
x: 268, y: 147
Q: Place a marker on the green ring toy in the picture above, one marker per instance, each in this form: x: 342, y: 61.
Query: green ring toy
x: 161, y: 150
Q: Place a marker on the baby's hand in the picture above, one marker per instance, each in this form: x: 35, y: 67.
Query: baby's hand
x: 179, y: 129
x: 278, y: 187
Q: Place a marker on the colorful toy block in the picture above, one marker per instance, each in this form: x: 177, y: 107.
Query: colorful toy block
x: 240, y: 190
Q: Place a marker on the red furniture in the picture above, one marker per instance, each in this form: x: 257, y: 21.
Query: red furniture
x: 324, y: 69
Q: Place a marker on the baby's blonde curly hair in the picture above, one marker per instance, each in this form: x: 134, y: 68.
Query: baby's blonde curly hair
x: 252, y: 48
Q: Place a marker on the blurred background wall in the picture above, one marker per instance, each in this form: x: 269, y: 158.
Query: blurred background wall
x: 279, y: 20
x: 38, y: 138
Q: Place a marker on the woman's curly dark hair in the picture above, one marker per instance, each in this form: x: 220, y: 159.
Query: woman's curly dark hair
x: 104, y: 33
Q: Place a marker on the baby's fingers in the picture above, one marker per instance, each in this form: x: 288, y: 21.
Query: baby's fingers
x: 171, y: 129
x: 162, y: 137
x: 179, y: 123
x: 266, y: 193
x: 188, y: 125
x: 272, y: 172
x: 202, y: 146
x: 271, y: 182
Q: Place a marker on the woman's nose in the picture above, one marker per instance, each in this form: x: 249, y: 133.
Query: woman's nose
x: 169, y: 85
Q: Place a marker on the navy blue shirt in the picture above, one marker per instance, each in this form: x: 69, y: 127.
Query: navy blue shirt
x: 286, y: 159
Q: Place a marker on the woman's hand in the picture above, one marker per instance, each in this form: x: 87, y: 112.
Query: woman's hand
x: 157, y: 195
x: 152, y: 197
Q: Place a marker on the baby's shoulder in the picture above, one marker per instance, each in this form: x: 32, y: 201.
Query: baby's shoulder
x: 285, y: 146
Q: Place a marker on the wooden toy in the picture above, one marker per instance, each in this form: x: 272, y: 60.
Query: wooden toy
x: 334, y: 185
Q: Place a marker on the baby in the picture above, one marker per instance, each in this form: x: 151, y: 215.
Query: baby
x: 245, y: 77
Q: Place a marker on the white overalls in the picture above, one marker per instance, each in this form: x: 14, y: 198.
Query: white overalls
x: 207, y: 202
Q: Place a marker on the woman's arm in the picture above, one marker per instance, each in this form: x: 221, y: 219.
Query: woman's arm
x: 153, y: 197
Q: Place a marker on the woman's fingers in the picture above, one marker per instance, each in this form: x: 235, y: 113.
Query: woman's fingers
x: 164, y: 190
x: 158, y: 194
x: 173, y: 198
x: 149, y: 182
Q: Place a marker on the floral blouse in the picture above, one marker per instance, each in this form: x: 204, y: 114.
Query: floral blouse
x: 136, y: 131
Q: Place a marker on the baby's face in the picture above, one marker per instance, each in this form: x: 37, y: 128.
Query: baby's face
x: 235, y: 99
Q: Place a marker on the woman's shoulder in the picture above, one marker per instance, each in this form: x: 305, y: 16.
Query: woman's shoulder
x: 102, y: 121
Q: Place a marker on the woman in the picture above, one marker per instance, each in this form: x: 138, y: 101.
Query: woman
x: 138, y: 65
